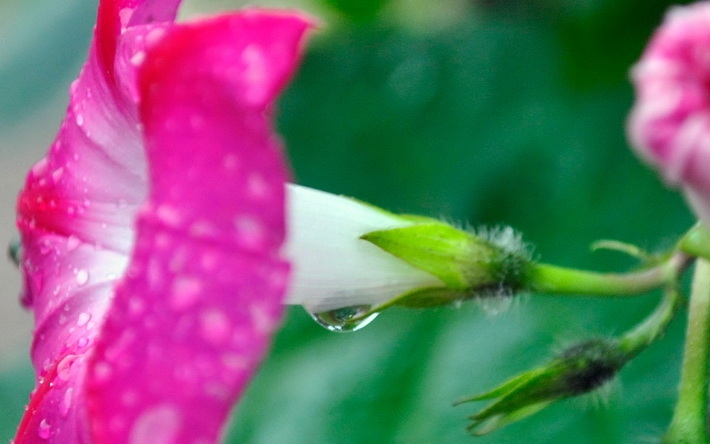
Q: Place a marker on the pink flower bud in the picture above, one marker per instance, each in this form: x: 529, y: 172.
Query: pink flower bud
x: 669, y: 125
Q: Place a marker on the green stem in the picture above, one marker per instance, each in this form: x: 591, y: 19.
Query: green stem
x: 551, y: 279
x: 645, y: 333
x: 696, y: 242
x: 689, y: 424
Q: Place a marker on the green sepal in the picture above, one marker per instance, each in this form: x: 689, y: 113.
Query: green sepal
x: 511, y: 385
x: 480, y: 427
x: 462, y: 261
x: 433, y: 247
x: 579, y: 369
x: 423, y: 298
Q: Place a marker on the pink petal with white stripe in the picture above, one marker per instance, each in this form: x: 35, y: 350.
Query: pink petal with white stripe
x: 204, y: 290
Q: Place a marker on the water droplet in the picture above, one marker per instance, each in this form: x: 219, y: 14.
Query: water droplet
x: 257, y: 186
x: 344, y: 319
x: 168, y: 215
x: 83, y: 319
x: 82, y: 277
x: 154, y: 35
x: 57, y: 174
x: 65, y: 406
x: 136, y: 306
x: 64, y: 367
x: 235, y: 361
x: 102, y: 372
x: 186, y: 291
x: 214, y: 325
x: 44, y: 430
x: 45, y: 248
x: 138, y: 58
x: 14, y: 252
x: 157, y: 424
x: 79, y: 119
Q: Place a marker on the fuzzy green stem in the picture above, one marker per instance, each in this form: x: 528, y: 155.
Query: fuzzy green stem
x: 551, y: 279
x: 689, y: 423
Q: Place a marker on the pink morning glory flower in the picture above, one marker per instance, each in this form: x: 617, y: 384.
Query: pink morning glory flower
x: 669, y: 125
x: 152, y: 231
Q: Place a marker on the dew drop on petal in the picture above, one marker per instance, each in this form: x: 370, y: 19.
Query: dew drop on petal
x: 345, y: 319
x: 154, y: 36
x: 168, y: 215
x: 82, y: 277
x: 186, y: 291
x: 257, y: 186
x: 65, y: 405
x: 57, y: 174
x: 234, y: 361
x: 157, y: 425
x: 136, y: 306
x: 83, y: 319
x: 262, y: 320
x: 44, y: 430
x: 73, y: 243
x: 64, y: 367
x: 214, y: 325
x: 102, y: 371
x: 138, y: 58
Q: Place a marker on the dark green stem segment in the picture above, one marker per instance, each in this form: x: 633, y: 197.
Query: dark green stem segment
x: 551, y: 279
x: 689, y: 423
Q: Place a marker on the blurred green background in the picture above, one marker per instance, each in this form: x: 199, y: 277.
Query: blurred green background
x: 483, y: 112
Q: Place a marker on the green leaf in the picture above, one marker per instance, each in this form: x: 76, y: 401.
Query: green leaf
x: 357, y: 10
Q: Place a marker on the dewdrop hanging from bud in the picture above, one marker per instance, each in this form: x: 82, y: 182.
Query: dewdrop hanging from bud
x: 336, y: 276
x: 352, y: 260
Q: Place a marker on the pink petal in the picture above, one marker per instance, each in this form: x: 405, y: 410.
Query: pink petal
x: 76, y: 215
x: 203, y: 292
